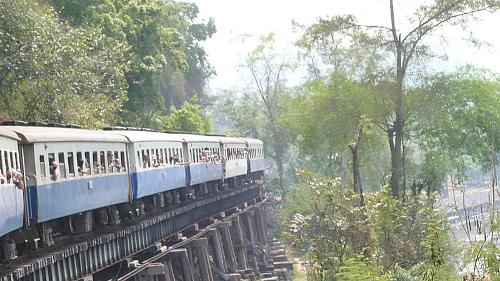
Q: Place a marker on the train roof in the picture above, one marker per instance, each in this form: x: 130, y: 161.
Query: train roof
x: 8, y: 134
x: 228, y: 140
x: 252, y: 141
x: 29, y: 134
x: 198, y: 138
x: 146, y: 136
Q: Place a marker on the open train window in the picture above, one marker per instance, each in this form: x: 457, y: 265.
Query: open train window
x: 110, y: 161
x: 115, y: 162
x: 6, y: 160
x: 71, y: 164
x: 102, y: 162
x: 80, y: 163
x: 53, y: 166
x: 95, y: 163
x: 42, y: 167
x: 122, y: 161
x: 12, y: 163
x: 138, y: 160
x: 62, y: 166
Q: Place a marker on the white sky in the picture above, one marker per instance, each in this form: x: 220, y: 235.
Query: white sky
x: 240, y: 22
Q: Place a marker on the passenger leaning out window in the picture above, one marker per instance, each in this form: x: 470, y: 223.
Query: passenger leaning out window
x: 16, y: 176
x: 154, y: 161
x: 204, y: 156
x: 175, y: 159
x: 54, y: 170
x: 82, y: 168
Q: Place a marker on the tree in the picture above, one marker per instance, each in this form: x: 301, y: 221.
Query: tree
x: 167, y: 63
x: 401, y: 50
x: 188, y: 118
x: 335, y: 115
x: 267, y: 66
x: 53, y: 72
x: 382, y: 240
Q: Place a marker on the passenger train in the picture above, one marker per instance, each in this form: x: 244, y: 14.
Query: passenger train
x: 61, y: 180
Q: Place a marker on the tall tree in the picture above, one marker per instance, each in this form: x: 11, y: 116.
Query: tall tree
x: 167, y: 63
x: 267, y: 66
x: 52, y: 72
x: 402, y: 49
x: 334, y: 117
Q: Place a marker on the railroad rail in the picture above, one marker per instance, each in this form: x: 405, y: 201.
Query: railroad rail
x: 230, y: 227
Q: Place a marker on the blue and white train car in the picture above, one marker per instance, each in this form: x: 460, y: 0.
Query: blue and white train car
x: 256, y: 162
x: 157, y: 162
x: 205, y: 164
x: 69, y: 171
x: 235, y: 155
x: 11, y: 197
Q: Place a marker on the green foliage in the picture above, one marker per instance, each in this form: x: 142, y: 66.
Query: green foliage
x: 52, y: 72
x: 358, y: 268
x: 391, y: 57
x: 335, y: 120
x: 188, y: 118
x: 165, y: 55
x: 467, y: 122
x: 385, y: 239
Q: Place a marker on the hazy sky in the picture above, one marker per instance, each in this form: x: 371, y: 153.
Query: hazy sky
x: 240, y: 22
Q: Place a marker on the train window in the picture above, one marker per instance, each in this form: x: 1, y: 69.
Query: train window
x: 116, y: 164
x: 6, y: 160
x: 80, y: 163
x: 11, y: 158
x: 53, y: 166
x: 96, y: 168
x: 110, y: 161
x: 62, y: 166
x: 138, y: 161
x: 86, y: 162
x: 71, y: 164
x: 102, y: 162
x: 41, y: 165
x: 122, y: 161
x: 145, y: 158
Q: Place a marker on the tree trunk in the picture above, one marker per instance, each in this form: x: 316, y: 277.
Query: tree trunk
x: 356, y: 173
x: 397, y: 142
x: 280, y: 166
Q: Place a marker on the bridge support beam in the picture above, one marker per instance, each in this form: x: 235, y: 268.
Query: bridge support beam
x: 185, y: 266
x: 201, y: 249
x: 218, y: 250
x: 228, y: 246
x: 239, y: 243
x: 252, y: 257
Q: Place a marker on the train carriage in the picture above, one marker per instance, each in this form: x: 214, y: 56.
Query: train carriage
x: 256, y: 162
x: 11, y: 195
x: 235, y: 155
x: 203, y: 153
x: 69, y: 171
x: 156, y: 162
